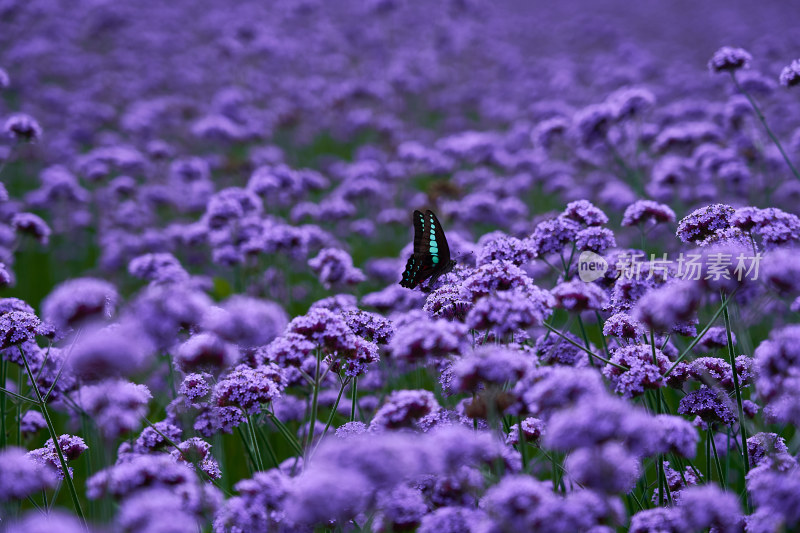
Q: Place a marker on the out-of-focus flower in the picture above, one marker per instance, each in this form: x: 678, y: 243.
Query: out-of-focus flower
x: 38, y: 522
x: 451, y: 520
x: 643, y: 211
x: 790, y: 75
x: 259, y: 505
x: 728, y: 59
x: 31, y: 422
x: 77, y: 301
x: 205, y: 352
x: 335, y: 267
x: 158, y: 267
x: 21, y: 475
x: 117, y: 406
x: 22, y: 127
x: 506, y: 312
x: 777, y: 361
x: 577, y: 296
x: 670, y: 307
x: 490, y: 366
x: 608, y: 468
x: 33, y: 226
x: 246, y: 321
x: 404, y: 409
x: 708, y: 506
x: 113, y: 351
x: 427, y: 340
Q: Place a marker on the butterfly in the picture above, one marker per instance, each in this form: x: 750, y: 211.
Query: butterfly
x: 431, y: 256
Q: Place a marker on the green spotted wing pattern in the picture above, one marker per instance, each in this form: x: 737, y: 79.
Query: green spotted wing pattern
x: 431, y: 255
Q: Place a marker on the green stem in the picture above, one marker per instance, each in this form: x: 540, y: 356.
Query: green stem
x: 591, y: 353
x: 763, y: 120
x: 53, y: 435
x: 250, y: 455
x: 602, y: 337
x: 585, y: 337
x: 314, y: 403
x: 717, y: 462
x: 522, y: 444
x: 738, y: 390
x: 270, y: 450
x: 354, y: 399
x: 287, y: 435
x: 699, y: 336
x: 251, y: 429
x: 3, y: 370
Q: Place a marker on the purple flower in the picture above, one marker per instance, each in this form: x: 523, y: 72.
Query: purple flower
x: 705, y: 223
x: 156, y: 509
x: 31, y: 422
x: 507, y: 312
x: 498, y: 246
x: 38, y: 522
x: 451, y: 520
x: 337, y: 302
x: 551, y: 236
x: 425, y: 340
x: 770, y: 449
x: 777, y: 361
x: 248, y: 388
x: 592, y: 123
x: 669, y: 307
x: 17, y: 327
x: 394, y: 298
x: 370, y: 326
x: 728, y: 59
x: 140, y: 472
x: 643, y: 372
x: 196, y: 451
x: 495, y: 276
x: 335, y: 267
x: 532, y: 431
x: 79, y: 300
x: 117, y: 406
x: 678, y: 435
x: 404, y: 409
x: 490, y: 366
x: 643, y: 211
x: 555, y: 350
x: 21, y: 476
x: 781, y: 272
x: 246, y: 321
x: 151, y: 439
x: 213, y: 420
x: 158, y: 267
x: 164, y: 310
x: 660, y: 519
x: 71, y: 447
x: 401, y: 508
x: 32, y: 225
x: 259, y: 505
x: 22, y: 127
x: 708, y: 404
x: 450, y: 301
x: 290, y: 349
x: 595, y: 239
x: 113, y: 351
x: 5, y: 80
x: 790, y: 75
x: 624, y: 326
x: 578, y: 296
x: 608, y: 468
x: 602, y: 418
x: 708, y: 506
x: 584, y: 213
x: 205, y: 352
x: 559, y: 387
x: 631, y: 102
x: 714, y: 338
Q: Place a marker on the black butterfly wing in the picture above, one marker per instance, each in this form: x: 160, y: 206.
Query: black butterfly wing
x: 431, y: 253
x: 418, y: 268
x: 437, y: 237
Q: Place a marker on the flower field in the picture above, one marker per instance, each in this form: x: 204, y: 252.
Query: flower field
x: 394, y: 266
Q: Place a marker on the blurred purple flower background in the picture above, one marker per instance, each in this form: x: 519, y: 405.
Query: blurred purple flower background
x: 205, y: 213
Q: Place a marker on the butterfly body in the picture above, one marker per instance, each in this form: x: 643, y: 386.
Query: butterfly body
x: 431, y: 255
